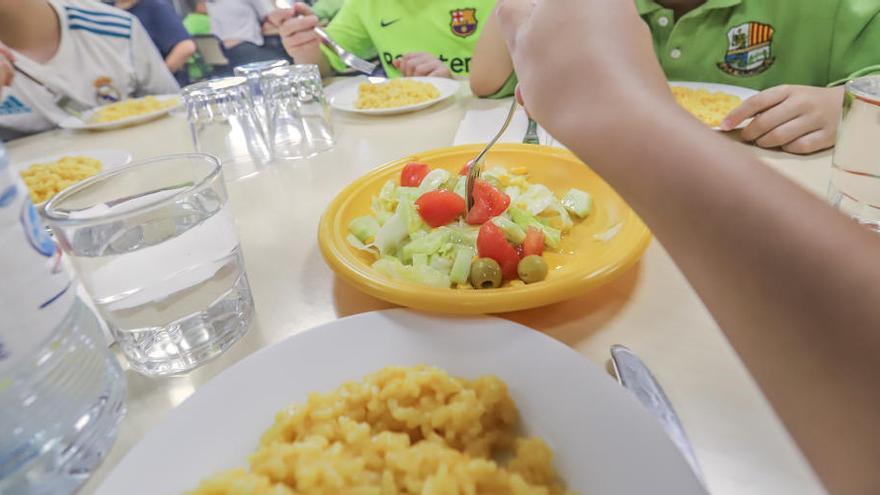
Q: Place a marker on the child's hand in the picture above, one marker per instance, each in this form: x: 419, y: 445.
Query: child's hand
x: 7, y: 72
x: 799, y: 119
x: 298, y: 34
x: 421, y: 64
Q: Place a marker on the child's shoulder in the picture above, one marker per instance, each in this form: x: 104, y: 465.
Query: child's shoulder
x: 95, y: 18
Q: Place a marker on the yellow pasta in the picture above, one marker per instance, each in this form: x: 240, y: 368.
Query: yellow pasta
x: 407, y: 431
x: 130, y: 108
x: 394, y: 93
x: 45, y: 180
x: 709, y: 106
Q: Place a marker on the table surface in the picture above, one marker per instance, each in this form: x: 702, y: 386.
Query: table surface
x: 741, y: 444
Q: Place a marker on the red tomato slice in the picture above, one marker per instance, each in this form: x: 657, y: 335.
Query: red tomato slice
x: 413, y: 173
x: 534, y: 243
x: 440, y: 207
x: 488, y: 202
x: 464, y: 169
x: 492, y: 244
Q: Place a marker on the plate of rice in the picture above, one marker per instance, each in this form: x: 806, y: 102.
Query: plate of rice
x: 379, y: 96
x: 710, y: 102
x: 124, y: 113
x: 398, y: 402
x: 47, y: 176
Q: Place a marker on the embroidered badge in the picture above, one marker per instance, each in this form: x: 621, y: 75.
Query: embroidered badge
x: 105, y: 92
x: 749, y: 49
x: 464, y: 22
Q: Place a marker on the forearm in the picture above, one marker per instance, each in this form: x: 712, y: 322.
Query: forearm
x: 491, y: 65
x: 178, y: 56
x: 792, y: 284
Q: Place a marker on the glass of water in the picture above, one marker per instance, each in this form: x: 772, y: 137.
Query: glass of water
x: 252, y: 72
x: 225, y: 123
x: 855, y: 171
x: 300, y: 124
x: 155, y: 246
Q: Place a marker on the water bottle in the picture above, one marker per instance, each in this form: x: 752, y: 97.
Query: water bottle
x: 62, y: 392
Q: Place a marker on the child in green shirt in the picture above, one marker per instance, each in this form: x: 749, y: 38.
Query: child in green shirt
x: 796, y: 54
x: 410, y: 37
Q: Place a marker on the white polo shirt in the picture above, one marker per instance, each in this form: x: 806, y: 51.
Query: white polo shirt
x: 105, y: 55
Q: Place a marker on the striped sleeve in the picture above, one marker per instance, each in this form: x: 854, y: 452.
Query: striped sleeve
x: 99, y: 23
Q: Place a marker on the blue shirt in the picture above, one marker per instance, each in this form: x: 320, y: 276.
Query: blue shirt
x: 162, y: 23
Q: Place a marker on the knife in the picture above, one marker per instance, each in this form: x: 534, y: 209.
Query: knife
x: 635, y: 376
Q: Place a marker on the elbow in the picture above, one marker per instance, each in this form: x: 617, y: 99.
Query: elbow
x: 482, y: 86
x: 187, y: 48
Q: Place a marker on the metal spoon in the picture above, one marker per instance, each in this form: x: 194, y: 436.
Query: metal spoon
x: 475, y: 164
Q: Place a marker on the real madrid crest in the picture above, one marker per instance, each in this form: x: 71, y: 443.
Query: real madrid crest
x: 749, y: 49
x: 463, y: 22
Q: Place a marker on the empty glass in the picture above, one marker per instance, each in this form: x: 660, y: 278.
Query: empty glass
x: 299, y: 119
x: 855, y: 172
x: 224, y: 123
x: 252, y: 73
x: 155, y: 246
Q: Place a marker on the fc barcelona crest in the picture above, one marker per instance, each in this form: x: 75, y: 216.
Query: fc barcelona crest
x: 749, y: 49
x: 463, y: 22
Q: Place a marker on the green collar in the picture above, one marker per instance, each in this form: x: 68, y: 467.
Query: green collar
x: 647, y: 6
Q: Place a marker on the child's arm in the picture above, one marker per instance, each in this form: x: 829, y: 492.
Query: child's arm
x: 792, y: 283
x: 490, y: 65
x: 179, y: 55
x: 798, y: 119
x: 297, y: 31
x: 421, y: 64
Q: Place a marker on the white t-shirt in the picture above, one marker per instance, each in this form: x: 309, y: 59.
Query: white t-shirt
x: 239, y: 20
x: 105, y: 55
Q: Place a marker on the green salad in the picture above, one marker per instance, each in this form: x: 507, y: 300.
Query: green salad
x: 419, y: 230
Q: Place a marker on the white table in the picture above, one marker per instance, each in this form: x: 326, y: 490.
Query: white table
x: 739, y: 441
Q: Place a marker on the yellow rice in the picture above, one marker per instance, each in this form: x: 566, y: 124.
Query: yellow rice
x: 709, y: 106
x: 398, y: 431
x: 130, y: 108
x: 394, y: 93
x: 45, y: 180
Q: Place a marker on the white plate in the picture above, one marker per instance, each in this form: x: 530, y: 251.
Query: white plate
x: 109, y: 159
x: 744, y: 93
x: 84, y: 124
x: 344, y: 94
x: 605, y: 443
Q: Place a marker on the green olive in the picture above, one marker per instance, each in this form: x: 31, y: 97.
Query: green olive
x: 485, y: 274
x: 532, y: 269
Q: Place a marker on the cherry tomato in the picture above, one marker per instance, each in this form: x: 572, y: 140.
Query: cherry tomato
x: 492, y: 244
x: 488, y: 202
x: 534, y: 243
x: 413, y: 173
x: 440, y: 207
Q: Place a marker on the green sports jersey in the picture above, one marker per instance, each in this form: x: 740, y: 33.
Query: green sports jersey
x: 764, y: 43
x: 392, y: 28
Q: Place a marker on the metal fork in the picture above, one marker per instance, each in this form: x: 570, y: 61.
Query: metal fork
x: 475, y: 164
x: 347, y: 57
x: 64, y: 102
x: 531, y: 136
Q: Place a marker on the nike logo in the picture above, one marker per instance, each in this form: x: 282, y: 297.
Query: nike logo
x: 384, y: 23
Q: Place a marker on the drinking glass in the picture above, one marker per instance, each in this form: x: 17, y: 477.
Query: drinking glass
x: 252, y: 73
x: 299, y: 119
x: 155, y: 246
x: 224, y: 123
x: 855, y: 172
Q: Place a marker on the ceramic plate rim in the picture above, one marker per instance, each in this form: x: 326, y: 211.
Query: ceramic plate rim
x: 592, y: 401
x: 360, y: 275
x: 343, y: 99
x: 75, y: 123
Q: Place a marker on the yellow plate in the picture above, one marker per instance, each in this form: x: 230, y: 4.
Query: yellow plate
x: 584, y: 261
